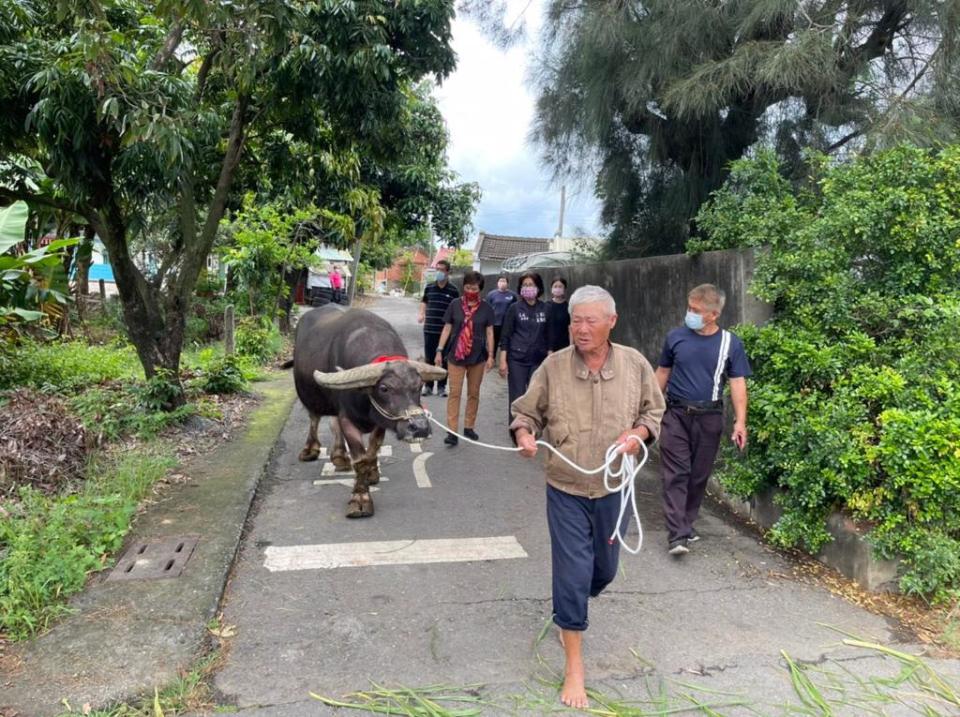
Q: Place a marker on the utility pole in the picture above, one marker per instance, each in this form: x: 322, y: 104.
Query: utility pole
x: 563, y: 206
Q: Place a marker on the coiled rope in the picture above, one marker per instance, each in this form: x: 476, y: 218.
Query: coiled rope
x: 627, y: 474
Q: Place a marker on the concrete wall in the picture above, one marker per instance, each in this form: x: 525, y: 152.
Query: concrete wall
x: 651, y: 293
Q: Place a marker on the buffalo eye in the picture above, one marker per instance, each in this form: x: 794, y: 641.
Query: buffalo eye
x: 383, y: 388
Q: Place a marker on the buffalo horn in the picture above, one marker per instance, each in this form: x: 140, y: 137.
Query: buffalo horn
x: 359, y: 377
x: 427, y: 372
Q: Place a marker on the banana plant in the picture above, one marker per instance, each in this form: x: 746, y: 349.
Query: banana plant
x: 33, y: 285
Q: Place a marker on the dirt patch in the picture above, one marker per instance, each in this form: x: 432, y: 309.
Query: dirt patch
x: 41, y: 444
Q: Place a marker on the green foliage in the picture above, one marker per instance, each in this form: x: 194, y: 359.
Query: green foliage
x: 263, y: 242
x: 33, y: 285
x: 258, y: 339
x: 160, y: 391
x: 49, y: 545
x: 855, y: 403
x: 151, y: 119
x: 66, y: 366
x: 225, y: 375
x: 655, y: 101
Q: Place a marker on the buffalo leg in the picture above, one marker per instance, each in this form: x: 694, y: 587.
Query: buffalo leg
x: 370, y: 455
x: 340, y: 458
x: 311, y: 451
x: 360, y: 504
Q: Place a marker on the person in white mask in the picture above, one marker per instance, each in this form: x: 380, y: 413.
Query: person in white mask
x: 697, y: 360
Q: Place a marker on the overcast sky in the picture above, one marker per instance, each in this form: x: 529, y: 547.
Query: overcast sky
x: 488, y: 105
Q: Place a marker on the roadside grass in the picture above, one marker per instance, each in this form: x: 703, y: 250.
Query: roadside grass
x: 189, y: 693
x: 49, y: 544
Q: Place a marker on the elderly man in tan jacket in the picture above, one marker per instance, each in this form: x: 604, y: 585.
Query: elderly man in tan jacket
x: 584, y: 398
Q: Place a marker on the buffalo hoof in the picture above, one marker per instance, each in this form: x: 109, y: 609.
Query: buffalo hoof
x: 367, y: 471
x: 310, y: 453
x: 360, y: 506
x: 341, y: 462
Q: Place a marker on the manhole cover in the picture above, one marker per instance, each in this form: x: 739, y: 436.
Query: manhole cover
x: 160, y: 558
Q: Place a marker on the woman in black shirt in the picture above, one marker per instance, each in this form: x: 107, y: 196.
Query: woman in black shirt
x: 523, y: 341
x: 558, y: 316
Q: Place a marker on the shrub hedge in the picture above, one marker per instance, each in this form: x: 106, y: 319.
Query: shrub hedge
x: 855, y: 401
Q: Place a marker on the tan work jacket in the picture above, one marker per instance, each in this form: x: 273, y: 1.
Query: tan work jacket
x: 581, y: 413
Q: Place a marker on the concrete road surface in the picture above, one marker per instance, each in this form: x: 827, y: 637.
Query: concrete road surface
x: 453, y: 588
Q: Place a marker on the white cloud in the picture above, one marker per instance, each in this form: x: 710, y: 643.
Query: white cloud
x: 489, y: 108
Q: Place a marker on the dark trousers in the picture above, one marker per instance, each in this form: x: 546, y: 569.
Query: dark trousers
x: 518, y: 380
x: 688, y: 448
x: 583, y: 560
x: 430, y: 342
x: 497, y: 330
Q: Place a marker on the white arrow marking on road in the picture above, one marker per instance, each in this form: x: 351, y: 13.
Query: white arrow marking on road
x: 391, y: 552
x: 343, y: 481
x: 385, y: 451
x: 420, y: 470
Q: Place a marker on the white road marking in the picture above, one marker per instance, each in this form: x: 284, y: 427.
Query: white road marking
x: 329, y: 470
x: 385, y: 451
x: 416, y: 447
x: 391, y: 552
x: 344, y: 481
x: 323, y: 452
x: 420, y: 471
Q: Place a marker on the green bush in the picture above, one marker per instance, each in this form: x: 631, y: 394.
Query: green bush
x: 224, y: 375
x: 855, y: 401
x: 66, y: 366
x: 112, y: 411
x: 49, y: 544
x: 258, y: 339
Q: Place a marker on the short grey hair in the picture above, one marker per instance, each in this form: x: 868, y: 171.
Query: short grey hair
x: 713, y: 298
x: 592, y: 294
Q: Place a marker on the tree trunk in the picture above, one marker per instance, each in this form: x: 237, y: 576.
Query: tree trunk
x: 356, y: 270
x: 157, y: 335
x: 84, y: 258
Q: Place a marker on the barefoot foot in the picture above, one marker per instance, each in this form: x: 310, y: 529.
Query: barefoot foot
x: 574, y: 694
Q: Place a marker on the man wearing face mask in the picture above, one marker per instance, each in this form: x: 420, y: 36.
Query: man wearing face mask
x: 436, y: 297
x: 500, y: 300
x: 697, y: 360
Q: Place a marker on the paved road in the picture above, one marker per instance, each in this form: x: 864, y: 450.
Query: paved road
x: 666, y: 631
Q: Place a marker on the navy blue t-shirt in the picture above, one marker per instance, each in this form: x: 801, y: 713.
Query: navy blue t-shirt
x: 700, y: 365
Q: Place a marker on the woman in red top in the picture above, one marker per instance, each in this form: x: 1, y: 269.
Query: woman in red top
x: 467, y: 340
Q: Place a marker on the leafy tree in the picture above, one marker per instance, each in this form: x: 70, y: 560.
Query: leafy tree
x: 657, y: 98
x: 143, y: 114
x: 855, y: 403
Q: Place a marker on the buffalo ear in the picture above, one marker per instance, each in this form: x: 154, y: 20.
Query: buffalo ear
x: 427, y: 372
x: 342, y: 380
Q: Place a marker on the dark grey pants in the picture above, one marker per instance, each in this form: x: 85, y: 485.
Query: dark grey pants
x: 430, y: 342
x: 688, y: 448
x: 583, y: 559
x: 518, y: 380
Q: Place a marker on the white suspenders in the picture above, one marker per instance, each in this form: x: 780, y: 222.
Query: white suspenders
x: 721, y: 363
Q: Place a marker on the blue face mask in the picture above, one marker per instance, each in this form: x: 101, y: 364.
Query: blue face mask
x: 441, y: 275
x: 693, y: 320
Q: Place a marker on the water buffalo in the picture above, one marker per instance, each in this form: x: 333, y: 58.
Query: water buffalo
x: 352, y: 365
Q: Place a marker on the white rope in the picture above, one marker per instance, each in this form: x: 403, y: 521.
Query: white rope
x: 627, y: 474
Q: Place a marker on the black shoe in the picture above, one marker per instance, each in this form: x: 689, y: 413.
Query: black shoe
x: 471, y: 434
x: 678, y: 547
x: 693, y: 537
x: 451, y: 440
x: 427, y: 390
x: 442, y: 391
